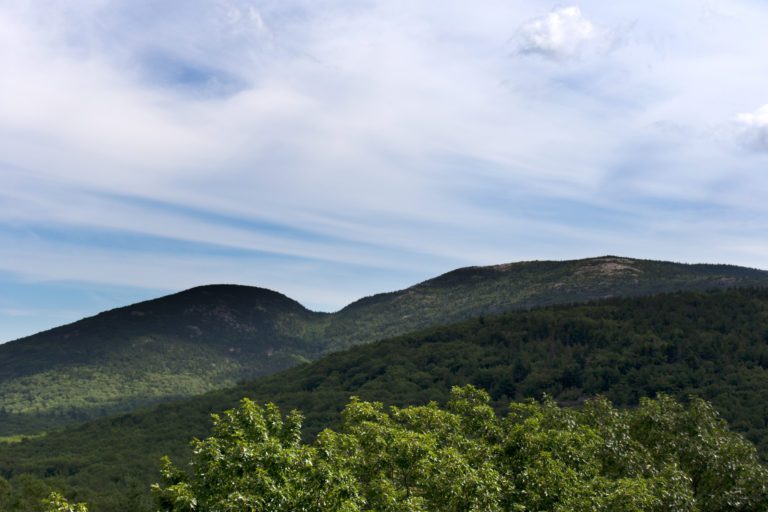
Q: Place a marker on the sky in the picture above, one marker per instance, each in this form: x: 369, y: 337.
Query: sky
x: 331, y: 150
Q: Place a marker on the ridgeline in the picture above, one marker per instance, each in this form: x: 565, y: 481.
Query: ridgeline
x: 212, y: 337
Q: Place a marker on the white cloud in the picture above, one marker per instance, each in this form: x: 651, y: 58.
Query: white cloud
x: 398, y: 134
x: 753, y: 129
x: 560, y: 34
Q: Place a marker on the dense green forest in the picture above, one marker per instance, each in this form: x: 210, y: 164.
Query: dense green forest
x: 214, y: 336
x: 710, y: 344
x: 657, y: 457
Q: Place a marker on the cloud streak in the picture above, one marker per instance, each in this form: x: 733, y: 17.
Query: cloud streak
x: 379, y: 143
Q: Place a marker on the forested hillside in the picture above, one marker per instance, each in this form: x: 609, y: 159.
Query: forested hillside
x: 213, y: 336
x: 710, y: 344
x: 174, y: 347
x: 474, y: 291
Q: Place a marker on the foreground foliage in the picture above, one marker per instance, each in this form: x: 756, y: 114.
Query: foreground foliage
x: 659, y: 456
x: 55, y: 502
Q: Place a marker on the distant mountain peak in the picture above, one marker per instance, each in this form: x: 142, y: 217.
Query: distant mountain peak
x: 609, y: 266
x: 213, y: 335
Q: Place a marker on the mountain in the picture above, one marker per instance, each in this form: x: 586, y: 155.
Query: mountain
x: 213, y: 336
x: 475, y: 291
x: 173, y: 347
x: 710, y: 344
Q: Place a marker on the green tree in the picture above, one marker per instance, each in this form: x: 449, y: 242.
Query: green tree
x: 57, y: 503
x: 659, y: 457
x: 254, y: 460
x: 419, y: 458
x: 724, y: 469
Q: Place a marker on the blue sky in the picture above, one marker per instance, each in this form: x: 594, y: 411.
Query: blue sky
x: 331, y: 150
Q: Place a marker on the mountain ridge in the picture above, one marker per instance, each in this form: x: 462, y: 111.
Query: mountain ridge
x: 712, y: 344
x: 213, y: 336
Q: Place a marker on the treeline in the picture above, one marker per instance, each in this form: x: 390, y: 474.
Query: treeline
x: 713, y: 345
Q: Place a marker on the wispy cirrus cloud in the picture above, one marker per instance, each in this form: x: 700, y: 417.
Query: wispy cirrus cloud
x: 331, y: 150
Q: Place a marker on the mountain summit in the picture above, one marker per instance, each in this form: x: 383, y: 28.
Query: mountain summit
x: 213, y: 336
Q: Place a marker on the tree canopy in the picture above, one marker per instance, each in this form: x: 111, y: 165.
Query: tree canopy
x: 659, y: 456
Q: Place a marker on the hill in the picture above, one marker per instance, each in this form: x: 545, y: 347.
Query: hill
x: 474, y: 291
x: 173, y: 347
x: 710, y: 344
x: 213, y: 336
